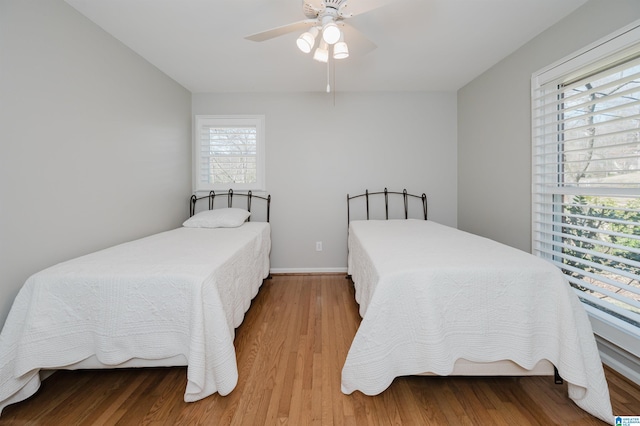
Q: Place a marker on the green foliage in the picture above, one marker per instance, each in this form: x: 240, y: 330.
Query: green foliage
x: 599, y: 218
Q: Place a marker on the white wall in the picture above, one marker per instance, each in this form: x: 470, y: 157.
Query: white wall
x: 95, y: 143
x: 494, y: 130
x: 318, y: 151
x: 96, y: 149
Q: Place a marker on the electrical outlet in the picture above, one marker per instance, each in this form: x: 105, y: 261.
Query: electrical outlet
x: 318, y: 245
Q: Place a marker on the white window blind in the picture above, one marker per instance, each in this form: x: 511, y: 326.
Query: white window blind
x: 229, y: 153
x: 586, y: 180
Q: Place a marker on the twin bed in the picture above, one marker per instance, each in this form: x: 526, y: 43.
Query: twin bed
x: 433, y: 300
x: 437, y: 300
x: 170, y: 299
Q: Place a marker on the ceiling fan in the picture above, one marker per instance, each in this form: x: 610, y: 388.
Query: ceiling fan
x: 326, y: 18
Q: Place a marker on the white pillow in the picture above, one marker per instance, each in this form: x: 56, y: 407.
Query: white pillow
x: 218, y: 218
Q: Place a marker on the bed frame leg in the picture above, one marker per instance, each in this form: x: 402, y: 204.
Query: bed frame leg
x: 556, y: 377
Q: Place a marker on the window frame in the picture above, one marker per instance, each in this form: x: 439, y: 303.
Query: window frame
x: 257, y: 121
x: 588, y: 59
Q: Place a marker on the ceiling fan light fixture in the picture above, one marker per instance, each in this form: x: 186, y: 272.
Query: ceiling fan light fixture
x: 331, y: 33
x: 322, y: 53
x: 340, y: 49
x: 306, y: 41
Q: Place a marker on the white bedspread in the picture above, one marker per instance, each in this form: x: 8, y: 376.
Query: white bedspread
x: 175, y: 294
x: 430, y: 294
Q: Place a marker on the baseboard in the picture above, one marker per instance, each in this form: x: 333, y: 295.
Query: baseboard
x: 619, y: 360
x: 308, y: 270
x: 619, y: 348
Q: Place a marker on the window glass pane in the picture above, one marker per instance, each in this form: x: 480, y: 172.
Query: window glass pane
x: 229, y: 153
x: 586, y: 183
x: 601, y: 252
x: 601, y: 130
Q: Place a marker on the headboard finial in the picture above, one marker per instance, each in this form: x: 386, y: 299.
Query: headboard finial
x: 192, y: 205
x: 406, y: 203
x: 386, y: 204
x: 212, y: 195
x: 366, y: 191
x: 249, y: 194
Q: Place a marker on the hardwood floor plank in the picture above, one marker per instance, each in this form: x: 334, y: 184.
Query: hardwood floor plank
x: 290, y: 350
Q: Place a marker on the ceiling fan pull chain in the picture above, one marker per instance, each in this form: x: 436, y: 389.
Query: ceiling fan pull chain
x: 334, y: 83
x: 328, y: 75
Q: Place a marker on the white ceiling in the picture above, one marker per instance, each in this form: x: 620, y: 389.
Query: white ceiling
x: 422, y: 45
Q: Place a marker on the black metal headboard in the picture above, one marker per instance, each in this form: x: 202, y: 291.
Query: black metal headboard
x: 249, y: 196
x: 405, y: 197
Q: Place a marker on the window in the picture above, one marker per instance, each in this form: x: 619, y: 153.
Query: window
x: 586, y: 176
x: 229, y: 153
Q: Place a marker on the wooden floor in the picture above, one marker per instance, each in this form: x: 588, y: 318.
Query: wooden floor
x: 290, y: 350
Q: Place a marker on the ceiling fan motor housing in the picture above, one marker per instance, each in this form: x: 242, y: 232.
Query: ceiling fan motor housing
x: 333, y: 8
x: 335, y: 4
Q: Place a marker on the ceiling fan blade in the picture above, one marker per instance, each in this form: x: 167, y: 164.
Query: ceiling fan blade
x: 358, y: 7
x: 285, y: 29
x: 358, y: 43
x: 311, y: 8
